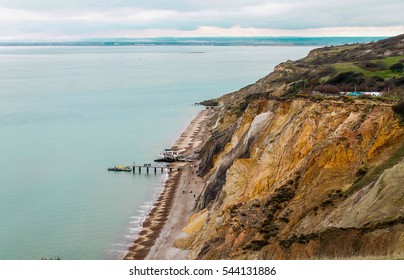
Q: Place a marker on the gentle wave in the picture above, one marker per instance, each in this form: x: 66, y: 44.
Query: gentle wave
x: 136, y: 223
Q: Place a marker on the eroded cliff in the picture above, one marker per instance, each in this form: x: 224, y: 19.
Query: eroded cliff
x: 299, y: 178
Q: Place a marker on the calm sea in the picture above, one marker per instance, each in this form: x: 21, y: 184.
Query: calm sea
x: 68, y: 113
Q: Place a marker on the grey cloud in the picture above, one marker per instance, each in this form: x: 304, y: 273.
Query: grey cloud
x: 94, y: 16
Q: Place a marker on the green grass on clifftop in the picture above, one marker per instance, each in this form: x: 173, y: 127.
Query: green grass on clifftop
x: 384, y: 63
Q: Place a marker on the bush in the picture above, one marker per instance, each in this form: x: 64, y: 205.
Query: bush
x: 397, y: 67
x: 348, y: 78
x: 256, y: 245
x: 399, y: 109
x: 381, y: 65
x: 368, y: 65
x: 327, y: 89
x: 282, y: 194
x: 399, y: 82
x: 375, y: 79
x: 348, y: 99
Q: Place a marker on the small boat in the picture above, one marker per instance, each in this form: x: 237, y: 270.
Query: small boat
x: 120, y: 168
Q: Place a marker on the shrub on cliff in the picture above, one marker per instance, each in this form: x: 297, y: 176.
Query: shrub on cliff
x: 256, y: 245
x: 348, y: 99
x: 368, y: 65
x: 348, y: 78
x: 399, y: 108
x: 397, y: 67
x: 327, y: 89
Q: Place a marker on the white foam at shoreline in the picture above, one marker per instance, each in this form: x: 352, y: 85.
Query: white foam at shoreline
x: 136, y: 222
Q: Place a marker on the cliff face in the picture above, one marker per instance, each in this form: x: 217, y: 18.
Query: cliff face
x: 300, y: 179
x: 299, y: 176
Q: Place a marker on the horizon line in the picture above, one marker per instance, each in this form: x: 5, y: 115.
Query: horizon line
x: 209, y: 40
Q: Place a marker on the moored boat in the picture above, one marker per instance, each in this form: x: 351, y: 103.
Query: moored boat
x: 120, y: 168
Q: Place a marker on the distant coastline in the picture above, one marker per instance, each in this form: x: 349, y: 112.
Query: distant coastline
x: 203, y: 41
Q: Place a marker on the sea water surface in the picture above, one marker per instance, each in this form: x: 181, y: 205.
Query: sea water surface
x: 68, y: 113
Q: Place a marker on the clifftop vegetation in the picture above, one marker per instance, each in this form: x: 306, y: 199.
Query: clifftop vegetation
x: 362, y: 67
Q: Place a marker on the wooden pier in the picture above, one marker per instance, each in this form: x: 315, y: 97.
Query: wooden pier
x: 149, y: 168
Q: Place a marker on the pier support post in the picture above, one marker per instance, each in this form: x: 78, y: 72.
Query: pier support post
x: 140, y: 170
x: 162, y: 170
x: 147, y: 170
x: 155, y: 170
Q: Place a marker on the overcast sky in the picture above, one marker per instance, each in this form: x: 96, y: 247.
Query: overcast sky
x: 79, y: 19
